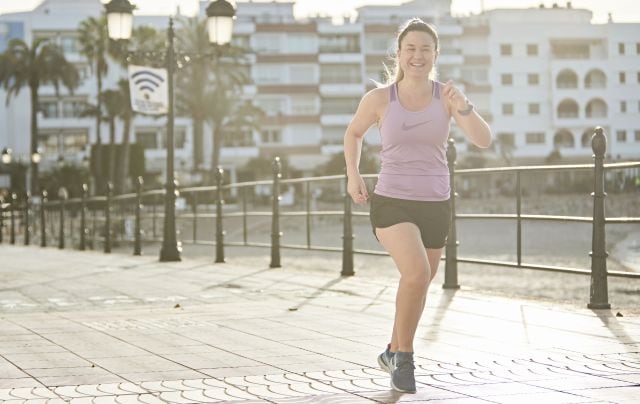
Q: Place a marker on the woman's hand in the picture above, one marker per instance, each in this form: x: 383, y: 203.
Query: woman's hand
x: 357, y: 189
x: 456, y: 100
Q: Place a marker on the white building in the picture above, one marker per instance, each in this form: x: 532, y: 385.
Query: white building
x: 542, y: 77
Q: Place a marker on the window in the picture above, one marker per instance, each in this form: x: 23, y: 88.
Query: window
x: 638, y: 77
x: 304, y: 105
x: 271, y: 106
x: 61, y: 142
x: 621, y: 136
x: 534, y: 108
x: 533, y: 79
x: 268, y: 74
x: 535, y: 138
x: 49, y: 109
x: 532, y: 49
x: 69, y: 44
x: 638, y: 48
x: 271, y: 136
x: 339, y: 43
x: 507, y: 109
x: 506, y: 140
x: 147, y: 139
x: 73, y: 143
x: 155, y: 138
x: 339, y: 105
x: 622, y: 77
x: 340, y: 73
x: 302, y: 74
x: 73, y: 108
x: 267, y: 43
x: 623, y: 106
x: 298, y: 43
x: 505, y: 49
x: 238, y: 138
x: 506, y: 79
x: 637, y: 135
x: 621, y: 48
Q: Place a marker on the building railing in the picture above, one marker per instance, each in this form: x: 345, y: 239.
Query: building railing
x: 103, y: 222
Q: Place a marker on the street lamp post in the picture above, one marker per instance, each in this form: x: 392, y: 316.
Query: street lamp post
x: 36, y: 157
x: 220, y: 15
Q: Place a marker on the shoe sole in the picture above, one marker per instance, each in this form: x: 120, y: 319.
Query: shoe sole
x: 393, y: 386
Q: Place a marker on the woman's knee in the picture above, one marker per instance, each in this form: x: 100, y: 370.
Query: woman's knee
x: 418, y: 278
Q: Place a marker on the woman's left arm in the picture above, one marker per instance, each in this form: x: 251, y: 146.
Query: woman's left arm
x: 474, y: 127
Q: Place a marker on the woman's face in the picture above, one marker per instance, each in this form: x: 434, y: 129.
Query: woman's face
x: 417, y: 54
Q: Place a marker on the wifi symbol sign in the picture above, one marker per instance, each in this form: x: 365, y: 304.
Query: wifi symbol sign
x: 146, y: 82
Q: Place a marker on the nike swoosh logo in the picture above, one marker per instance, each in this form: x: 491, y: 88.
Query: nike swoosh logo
x: 409, y: 127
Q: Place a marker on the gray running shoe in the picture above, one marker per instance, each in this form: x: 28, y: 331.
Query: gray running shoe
x: 402, y: 375
x: 384, y: 359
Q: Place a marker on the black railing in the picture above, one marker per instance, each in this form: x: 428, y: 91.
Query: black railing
x: 257, y: 208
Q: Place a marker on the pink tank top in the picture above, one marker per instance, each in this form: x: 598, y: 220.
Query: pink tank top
x: 413, y: 156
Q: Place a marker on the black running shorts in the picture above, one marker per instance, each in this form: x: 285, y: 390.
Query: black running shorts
x: 432, y: 218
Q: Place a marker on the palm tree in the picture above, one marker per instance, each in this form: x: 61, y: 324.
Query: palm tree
x: 42, y: 63
x: 126, y: 115
x: 93, y: 40
x: 192, y: 84
x: 210, y: 88
x: 113, y: 102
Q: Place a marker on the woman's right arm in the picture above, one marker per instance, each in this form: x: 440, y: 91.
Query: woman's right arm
x: 366, y: 115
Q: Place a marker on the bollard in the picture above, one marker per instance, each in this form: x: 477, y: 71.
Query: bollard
x: 244, y: 216
x: 63, y: 195
x: 1, y: 219
x: 137, y: 242
x: 219, y: 230
x: 27, y: 225
x: 347, y: 234
x: 275, y: 218
x: 451, y: 258
x: 83, y: 217
x: 599, y: 291
x: 107, y: 219
x: 194, y: 222
x: 12, y: 236
x: 43, y: 221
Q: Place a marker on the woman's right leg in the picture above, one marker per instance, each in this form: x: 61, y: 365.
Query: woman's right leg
x: 403, y: 242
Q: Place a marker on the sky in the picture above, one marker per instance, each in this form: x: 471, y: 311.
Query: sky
x: 621, y: 10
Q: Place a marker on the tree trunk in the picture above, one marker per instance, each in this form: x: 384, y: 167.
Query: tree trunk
x: 112, y: 148
x: 33, y: 86
x: 122, y: 169
x: 198, y: 131
x: 98, y: 156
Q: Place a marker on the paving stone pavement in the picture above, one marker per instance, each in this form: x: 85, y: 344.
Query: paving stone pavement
x: 85, y: 327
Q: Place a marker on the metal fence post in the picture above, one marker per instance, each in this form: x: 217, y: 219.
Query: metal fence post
x: 107, y: 219
x: 451, y: 259
x: 27, y: 224
x: 83, y: 217
x: 275, y: 218
x: 347, y: 234
x: 43, y: 221
x: 219, y: 229
x: 1, y: 220
x: 63, y: 195
x: 599, y: 290
x: 12, y: 208
x: 137, y: 241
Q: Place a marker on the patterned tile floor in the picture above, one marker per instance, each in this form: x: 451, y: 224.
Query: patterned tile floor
x: 93, y: 328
